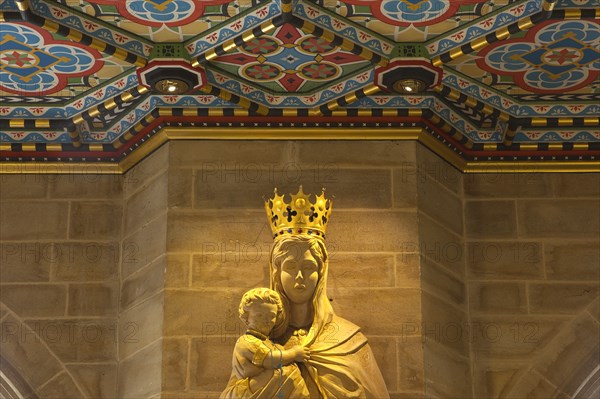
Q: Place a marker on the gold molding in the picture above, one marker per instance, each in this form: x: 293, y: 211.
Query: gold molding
x: 59, y: 168
x: 285, y: 133
x: 309, y: 133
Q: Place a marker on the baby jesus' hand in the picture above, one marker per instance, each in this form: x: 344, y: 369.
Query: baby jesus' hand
x: 301, y: 354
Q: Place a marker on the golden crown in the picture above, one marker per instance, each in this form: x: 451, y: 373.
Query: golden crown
x: 300, y: 216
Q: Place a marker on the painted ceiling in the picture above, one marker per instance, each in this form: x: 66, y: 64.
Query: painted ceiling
x: 509, y: 83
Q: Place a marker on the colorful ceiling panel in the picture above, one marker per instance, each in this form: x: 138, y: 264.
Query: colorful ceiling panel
x: 413, y: 20
x: 496, y: 82
x: 35, y: 63
x: 163, y: 20
x: 290, y: 61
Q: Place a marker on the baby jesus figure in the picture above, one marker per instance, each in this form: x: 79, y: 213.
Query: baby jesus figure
x: 262, y: 369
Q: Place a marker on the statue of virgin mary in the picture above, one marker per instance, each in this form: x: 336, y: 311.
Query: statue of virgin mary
x: 341, y: 364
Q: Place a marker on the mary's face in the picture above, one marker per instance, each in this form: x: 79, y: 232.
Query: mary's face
x: 299, y: 276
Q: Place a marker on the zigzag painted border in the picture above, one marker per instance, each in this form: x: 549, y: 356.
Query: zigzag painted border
x: 239, y: 25
x: 128, y: 120
x: 475, y: 134
x: 281, y: 101
x: 459, y: 82
x: 120, y: 125
x: 483, y: 26
x: 121, y: 39
x: 101, y: 94
x: 323, y: 19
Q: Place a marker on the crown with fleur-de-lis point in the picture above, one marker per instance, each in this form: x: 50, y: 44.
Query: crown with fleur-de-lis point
x: 300, y: 216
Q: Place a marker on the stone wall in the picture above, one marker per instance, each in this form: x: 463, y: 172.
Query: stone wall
x: 533, y: 260
x: 127, y: 286
x: 59, y: 278
x: 143, y: 269
x: 446, y: 356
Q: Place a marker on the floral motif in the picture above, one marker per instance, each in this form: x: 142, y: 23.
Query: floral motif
x: 551, y: 58
x: 413, y: 12
x: 161, y: 12
x: 32, y: 62
x: 289, y: 60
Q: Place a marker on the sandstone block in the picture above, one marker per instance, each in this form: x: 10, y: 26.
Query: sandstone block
x: 594, y: 309
x: 510, y: 337
x: 93, y: 299
x: 384, y: 350
x: 141, y: 325
x: 144, y: 246
x: 25, y: 262
x: 572, y: 261
x: 533, y: 385
x: 177, y: 274
x: 498, y: 298
x: 180, y: 188
x: 436, y: 280
x: 26, y: 352
x: 140, y: 375
x: 490, y: 219
x: 78, y: 340
x: 245, y: 266
x: 31, y: 300
x: 430, y: 195
x: 210, y: 155
x: 210, y: 363
x: 85, y: 261
x: 380, y: 311
x: 431, y: 166
x: 146, y: 204
x: 410, y: 364
x: 561, y: 298
x: 404, y: 182
x: 360, y: 270
x: 202, y: 232
x: 95, y: 380
x: 61, y: 387
x: 446, y: 374
x: 95, y: 220
x: 175, y: 364
x: 353, y: 153
x: 204, y: 313
x: 505, y: 259
x: 575, y: 345
x: 144, y: 283
x: 31, y: 220
x: 245, y: 184
x: 496, y: 379
x: 439, y: 245
x: 151, y: 166
x: 559, y: 218
x: 576, y: 185
x: 24, y: 186
x: 508, y: 185
x: 408, y: 270
x: 86, y: 186
x: 390, y: 231
x: 444, y: 324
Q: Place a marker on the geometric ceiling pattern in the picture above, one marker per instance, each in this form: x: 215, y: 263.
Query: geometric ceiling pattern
x: 504, y: 84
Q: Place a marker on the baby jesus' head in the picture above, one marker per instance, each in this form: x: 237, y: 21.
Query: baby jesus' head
x: 261, y: 309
